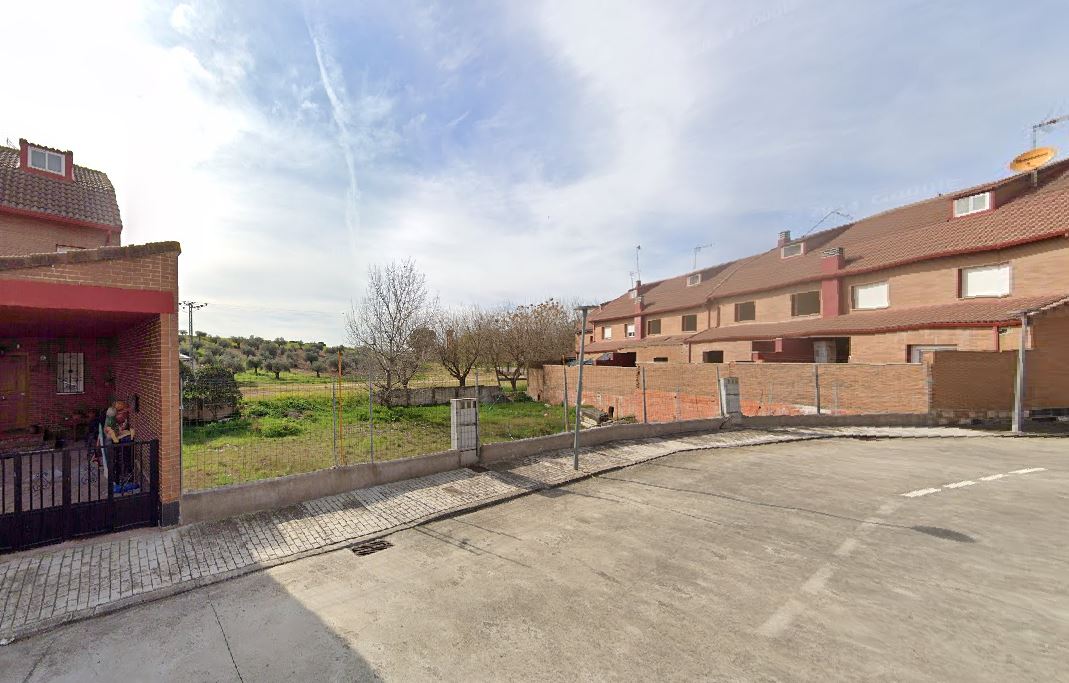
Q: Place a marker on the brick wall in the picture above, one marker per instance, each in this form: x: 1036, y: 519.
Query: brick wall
x: 23, y: 235
x: 981, y: 384
x: 733, y: 350
x: 675, y: 353
x: 676, y: 392
x: 49, y: 409
x: 891, y: 347
x: 146, y: 361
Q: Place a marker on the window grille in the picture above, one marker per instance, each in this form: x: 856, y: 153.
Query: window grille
x: 70, y: 373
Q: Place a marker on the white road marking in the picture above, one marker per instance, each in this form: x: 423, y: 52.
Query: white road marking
x: 847, y: 547
x: 920, y: 492
x: 959, y: 484
x: 781, y: 619
x: 815, y: 583
x: 992, y: 477
x: 1029, y: 470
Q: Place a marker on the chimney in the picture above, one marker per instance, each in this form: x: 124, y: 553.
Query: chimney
x: 833, y: 260
x: 831, y: 295
x: 784, y: 238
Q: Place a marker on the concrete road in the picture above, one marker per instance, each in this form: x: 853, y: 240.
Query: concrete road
x: 797, y: 561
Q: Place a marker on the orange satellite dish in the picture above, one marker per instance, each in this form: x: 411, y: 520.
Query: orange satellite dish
x: 1032, y: 159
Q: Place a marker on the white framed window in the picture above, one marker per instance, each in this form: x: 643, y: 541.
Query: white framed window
x: 70, y: 373
x: 985, y: 281
x: 606, y: 332
x: 972, y: 204
x: 873, y: 295
x: 629, y: 330
x: 694, y: 279
x: 789, y: 250
x: 43, y: 160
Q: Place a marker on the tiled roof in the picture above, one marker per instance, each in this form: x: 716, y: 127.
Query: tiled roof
x: 960, y: 313
x: 920, y: 231
x: 628, y: 344
x: 90, y: 198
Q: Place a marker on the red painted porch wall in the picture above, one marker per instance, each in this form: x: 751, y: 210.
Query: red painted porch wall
x: 49, y: 409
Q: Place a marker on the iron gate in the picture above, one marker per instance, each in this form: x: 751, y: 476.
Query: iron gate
x: 51, y: 495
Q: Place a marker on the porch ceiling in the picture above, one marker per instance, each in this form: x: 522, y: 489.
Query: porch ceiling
x: 16, y: 321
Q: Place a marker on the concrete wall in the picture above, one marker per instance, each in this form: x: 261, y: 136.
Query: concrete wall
x: 270, y: 494
x: 434, y: 396
x: 510, y: 450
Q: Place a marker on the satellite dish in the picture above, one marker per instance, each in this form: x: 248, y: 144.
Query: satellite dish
x: 1032, y: 159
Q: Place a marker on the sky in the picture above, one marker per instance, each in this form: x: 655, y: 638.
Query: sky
x: 514, y: 150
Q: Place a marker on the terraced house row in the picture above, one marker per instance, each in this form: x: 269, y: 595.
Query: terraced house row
x: 954, y: 272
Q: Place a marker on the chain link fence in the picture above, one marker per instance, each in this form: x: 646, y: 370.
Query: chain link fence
x: 238, y: 432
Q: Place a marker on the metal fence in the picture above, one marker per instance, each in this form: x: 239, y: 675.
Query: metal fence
x: 259, y: 430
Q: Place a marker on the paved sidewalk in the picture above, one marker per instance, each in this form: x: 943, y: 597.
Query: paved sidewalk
x: 45, y: 589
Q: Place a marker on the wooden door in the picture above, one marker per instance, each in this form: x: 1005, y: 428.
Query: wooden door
x: 14, y: 391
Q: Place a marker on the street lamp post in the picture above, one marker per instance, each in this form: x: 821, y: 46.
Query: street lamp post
x: 579, y: 389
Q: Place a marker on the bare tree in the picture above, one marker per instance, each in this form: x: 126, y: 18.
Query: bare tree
x: 393, y: 322
x: 524, y: 335
x: 460, y: 341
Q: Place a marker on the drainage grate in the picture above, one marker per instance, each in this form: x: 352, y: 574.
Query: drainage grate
x: 370, y: 547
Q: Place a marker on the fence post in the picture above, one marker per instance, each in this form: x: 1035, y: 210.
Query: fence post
x: 679, y: 408
x: 371, y: 415
x: 645, y: 415
x: 564, y: 369
x: 341, y: 405
x: 154, y: 479
x: 18, y: 501
x: 835, y: 399
x: 816, y: 384
x: 1018, y: 381
x: 334, y: 421
x: 66, y: 493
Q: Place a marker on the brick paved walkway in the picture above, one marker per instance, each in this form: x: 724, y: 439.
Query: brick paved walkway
x: 44, y: 589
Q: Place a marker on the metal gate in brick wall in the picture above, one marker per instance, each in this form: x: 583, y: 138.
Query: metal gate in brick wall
x: 52, y: 495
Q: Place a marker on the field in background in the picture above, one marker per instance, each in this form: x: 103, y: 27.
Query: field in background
x: 294, y: 430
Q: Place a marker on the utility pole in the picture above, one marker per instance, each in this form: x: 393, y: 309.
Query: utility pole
x: 190, y: 307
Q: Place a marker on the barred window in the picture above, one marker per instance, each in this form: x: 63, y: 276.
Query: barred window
x: 70, y: 373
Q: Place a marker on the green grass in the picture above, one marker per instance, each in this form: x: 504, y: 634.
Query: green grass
x: 248, y: 377
x: 292, y: 433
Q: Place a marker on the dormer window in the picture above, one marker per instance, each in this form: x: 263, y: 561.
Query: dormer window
x: 44, y: 160
x: 972, y: 204
x: 694, y: 279
x: 793, y: 249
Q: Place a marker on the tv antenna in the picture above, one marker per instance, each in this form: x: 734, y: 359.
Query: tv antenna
x: 1035, y: 158
x: 698, y: 249
x: 834, y: 212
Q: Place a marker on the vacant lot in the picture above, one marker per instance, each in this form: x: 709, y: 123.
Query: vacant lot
x: 799, y: 561
x: 280, y: 433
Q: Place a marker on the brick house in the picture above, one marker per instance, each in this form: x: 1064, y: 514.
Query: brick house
x: 84, y: 321
x: 954, y: 272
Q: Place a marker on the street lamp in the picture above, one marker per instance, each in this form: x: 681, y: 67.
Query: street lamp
x: 579, y: 389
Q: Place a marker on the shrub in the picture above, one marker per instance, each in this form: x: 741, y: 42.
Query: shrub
x: 275, y: 428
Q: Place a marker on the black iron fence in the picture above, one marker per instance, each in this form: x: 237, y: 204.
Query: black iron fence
x: 51, y: 495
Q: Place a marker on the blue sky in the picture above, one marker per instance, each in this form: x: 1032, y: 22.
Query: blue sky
x: 515, y: 150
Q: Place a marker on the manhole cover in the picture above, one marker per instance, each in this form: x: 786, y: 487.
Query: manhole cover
x: 370, y: 547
